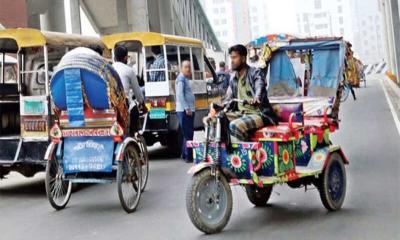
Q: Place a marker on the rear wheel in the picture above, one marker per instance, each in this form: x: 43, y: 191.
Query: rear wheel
x: 332, y: 183
x: 209, y: 202
x: 129, y: 179
x: 144, y: 157
x: 258, y: 196
x: 58, y: 189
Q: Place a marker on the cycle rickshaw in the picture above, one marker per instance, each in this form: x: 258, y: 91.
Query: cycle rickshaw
x: 90, y: 140
x: 298, y: 151
x: 25, y: 111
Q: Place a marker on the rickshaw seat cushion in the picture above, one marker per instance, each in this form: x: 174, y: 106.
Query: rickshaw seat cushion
x: 282, y: 129
x: 95, y: 90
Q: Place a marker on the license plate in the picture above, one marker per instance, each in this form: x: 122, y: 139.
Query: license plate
x: 157, y: 113
x: 33, y: 107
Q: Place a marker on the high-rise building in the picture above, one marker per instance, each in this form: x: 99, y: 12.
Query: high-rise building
x: 358, y: 21
x: 230, y: 20
x: 368, y: 39
x: 258, y: 18
x: 323, y: 18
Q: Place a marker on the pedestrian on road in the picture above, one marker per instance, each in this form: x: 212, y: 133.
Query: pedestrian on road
x: 185, y: 108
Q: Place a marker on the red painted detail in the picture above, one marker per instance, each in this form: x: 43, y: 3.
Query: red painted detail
x: 234, y: 181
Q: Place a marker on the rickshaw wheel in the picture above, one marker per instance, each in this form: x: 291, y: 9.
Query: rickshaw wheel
x: 345, y: 93
x: 144, y: 162
x: 258, y: 196
x: 129, y: 179
x: 58, y: 190
x: 209, y: 204
x: 332, y: 183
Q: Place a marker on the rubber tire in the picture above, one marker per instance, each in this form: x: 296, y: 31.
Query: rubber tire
x: 323, y: 182
x: 146, y: 155
x: 174, y: 143
x: 48, y: 191
x: 191, y: 206
x: 258, y: 196
x: 119, y: 183
x: 345, y: 94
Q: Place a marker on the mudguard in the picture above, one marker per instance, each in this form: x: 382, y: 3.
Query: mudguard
x: 199, y: 167
x: 50, y: 150
x: 119, y: 150
x: 320, y: 157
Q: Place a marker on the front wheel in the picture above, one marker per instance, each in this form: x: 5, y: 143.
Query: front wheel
x: 332, y: 183
x: 58, y: 190
x: 209, y: 202
x: 258, y: 196
x: 129, y: 179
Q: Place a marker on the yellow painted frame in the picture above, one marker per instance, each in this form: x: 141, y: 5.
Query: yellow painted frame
x: 149, y: 39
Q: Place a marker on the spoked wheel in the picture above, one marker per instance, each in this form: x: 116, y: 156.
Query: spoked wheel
x: 129, y: 179
x: 209, y: 202
x: 332, y: 183
x: 345, y: 93
x: 258, y: 196
x: 144, y: 158
x: 58, y: 189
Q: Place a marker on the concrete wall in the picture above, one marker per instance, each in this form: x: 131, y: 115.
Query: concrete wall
x: 13, y: 13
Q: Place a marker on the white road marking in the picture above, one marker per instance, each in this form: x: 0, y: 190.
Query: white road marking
x: 394, y: 114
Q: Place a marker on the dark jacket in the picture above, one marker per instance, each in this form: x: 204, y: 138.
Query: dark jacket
x: 255, y: 77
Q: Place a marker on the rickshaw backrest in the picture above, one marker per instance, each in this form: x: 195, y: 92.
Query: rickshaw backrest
x: 94, y: 88
x: 284, y: 110
x: 88, y: 91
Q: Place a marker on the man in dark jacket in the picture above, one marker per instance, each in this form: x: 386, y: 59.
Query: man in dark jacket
x: 247, y: 83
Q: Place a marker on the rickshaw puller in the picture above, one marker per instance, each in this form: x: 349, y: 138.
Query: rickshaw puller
x: 247, y: 83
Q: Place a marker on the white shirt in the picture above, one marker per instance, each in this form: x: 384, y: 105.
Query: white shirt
x: 129, y: 80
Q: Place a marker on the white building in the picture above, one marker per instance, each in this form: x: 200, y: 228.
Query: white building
x: 258, y: 11
x: 367, y: 24
x: 323, y: 18
x: 230, y: 20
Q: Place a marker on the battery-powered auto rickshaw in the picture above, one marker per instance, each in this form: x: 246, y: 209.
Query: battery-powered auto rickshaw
x: 92, y: 140
x: 25, y: 113
x: 297, y: 151
x: 157, y: 59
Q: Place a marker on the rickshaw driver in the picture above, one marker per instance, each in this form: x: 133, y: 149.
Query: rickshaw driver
x: 129, y: 82
x: 247, y: 83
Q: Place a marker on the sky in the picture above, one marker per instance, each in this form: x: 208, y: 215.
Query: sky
x: 283, y: 13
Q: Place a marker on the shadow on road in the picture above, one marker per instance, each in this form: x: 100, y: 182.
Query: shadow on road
x: 158, y: 153
x: 275, y: 216
x: 26, y: 187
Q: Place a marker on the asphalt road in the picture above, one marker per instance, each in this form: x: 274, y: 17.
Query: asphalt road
x: 371, y: 210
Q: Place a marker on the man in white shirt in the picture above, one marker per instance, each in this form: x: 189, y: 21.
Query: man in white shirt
x: 129, y: 82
